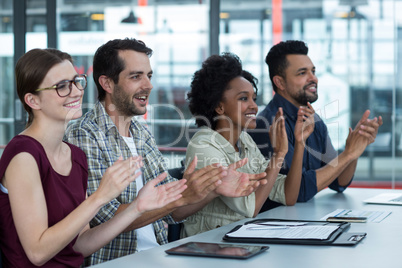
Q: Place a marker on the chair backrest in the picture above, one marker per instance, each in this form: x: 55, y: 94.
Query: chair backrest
x: 177, y: 172
x: 174, y: 229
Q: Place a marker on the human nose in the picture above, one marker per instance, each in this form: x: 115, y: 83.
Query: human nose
x: 253, y: 103
x: 147, y: 83
x: 313, y: 77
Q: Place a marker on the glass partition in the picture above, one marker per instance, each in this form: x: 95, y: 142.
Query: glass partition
x: 356, y: 48
x: 355, y: 45
x: 6, y: 73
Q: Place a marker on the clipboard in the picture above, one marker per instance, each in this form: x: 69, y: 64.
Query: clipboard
x: 338, y: 237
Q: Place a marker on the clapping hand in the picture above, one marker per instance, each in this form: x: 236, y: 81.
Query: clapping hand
x: 277, y: 134
x: 237, y: 184
x: 152, y: 197
x: 201, y: 182
x: 304, y: 123
x: 364, y: 134
x: 117, y: 177
x: 369, y: 127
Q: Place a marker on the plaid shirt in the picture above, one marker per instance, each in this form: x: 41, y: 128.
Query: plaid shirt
x: 96, y: 134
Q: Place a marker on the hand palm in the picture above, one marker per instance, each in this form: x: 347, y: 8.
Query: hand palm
x: 277, y: 133
x: 151, y: 197
x: 305, y: 123
x: 303, y: 129
x: 237, y: 184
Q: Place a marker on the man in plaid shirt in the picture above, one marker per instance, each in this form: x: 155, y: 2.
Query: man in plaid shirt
x: 122, y: 74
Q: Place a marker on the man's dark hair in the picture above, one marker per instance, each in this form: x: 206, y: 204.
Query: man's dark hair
x: 107, y: 61
x: 210, y: 82
x: 276, y: 57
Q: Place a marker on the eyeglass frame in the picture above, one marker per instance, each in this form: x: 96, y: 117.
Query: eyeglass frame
x: 70, y: 85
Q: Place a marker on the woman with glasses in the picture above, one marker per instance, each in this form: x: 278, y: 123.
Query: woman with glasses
x: 44, y: 209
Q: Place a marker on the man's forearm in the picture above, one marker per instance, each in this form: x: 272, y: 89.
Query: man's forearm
x: 147, y: 217
x: 347, y: 174
x: 328, y: 173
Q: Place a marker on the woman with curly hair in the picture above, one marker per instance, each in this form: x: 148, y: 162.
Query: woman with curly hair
x: 222, y: 100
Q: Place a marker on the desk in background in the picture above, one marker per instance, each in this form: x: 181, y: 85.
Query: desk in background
x: 382, y: 246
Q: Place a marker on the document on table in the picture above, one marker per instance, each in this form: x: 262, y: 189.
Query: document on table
x: 372, y: 216
x: 282, y: 231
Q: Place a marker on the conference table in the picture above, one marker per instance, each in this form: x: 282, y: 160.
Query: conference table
x: 382, y: 247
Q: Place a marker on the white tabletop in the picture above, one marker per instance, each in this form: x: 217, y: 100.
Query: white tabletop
x: 382, y: 247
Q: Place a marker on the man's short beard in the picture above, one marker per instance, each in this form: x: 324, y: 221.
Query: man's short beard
x: 303, y: 98
x: 124, y: 104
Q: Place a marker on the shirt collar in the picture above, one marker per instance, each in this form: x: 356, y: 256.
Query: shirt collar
x: 219, y: 140
x: 102, y: 118
x: 104, y: 121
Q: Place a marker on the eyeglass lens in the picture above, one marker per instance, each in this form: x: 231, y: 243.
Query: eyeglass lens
x: 64, y: 88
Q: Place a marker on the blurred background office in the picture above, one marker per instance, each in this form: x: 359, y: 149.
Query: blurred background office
x: 356, y: 46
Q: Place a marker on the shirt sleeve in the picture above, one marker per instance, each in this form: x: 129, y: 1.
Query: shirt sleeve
x: 308, y: 187
x: 207, y: 154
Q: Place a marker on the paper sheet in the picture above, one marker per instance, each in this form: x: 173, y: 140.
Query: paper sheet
x: 372, y: 216
x: 320, y: 232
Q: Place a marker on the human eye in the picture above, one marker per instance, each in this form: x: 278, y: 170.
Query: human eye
x: 62, y: 85
x: 243, y: 98
x: 135, y: 76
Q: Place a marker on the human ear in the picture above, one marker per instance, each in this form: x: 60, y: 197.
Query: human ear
x: 219, y: 109
x: 106, y: 83
x: 32, y: 101
x: 279, y: 82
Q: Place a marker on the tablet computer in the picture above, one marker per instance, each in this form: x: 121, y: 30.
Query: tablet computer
x: 218, y: 250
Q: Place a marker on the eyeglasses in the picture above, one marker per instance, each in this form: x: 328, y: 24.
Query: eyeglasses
x: 65, y: 87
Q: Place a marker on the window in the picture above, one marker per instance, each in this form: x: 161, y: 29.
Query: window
x: 355, y: 45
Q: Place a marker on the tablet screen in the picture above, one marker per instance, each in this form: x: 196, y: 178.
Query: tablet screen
x: 217, y: 250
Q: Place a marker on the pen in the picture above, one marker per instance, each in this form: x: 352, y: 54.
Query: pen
x: 267, y: 227
x: 298, y: 224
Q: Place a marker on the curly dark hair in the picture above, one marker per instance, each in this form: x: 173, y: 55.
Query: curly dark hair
x: 210, y: 82
x: 107, y: 61
x: 276, y: 57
